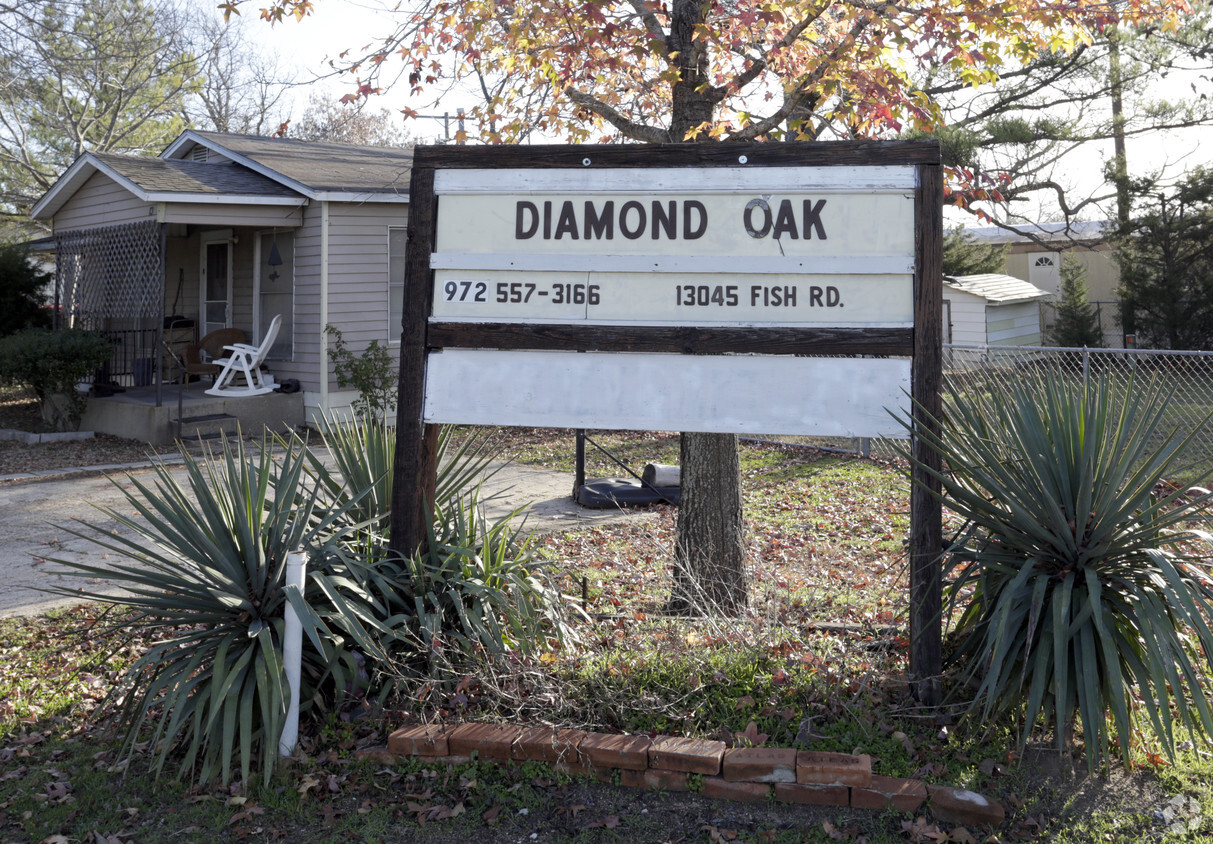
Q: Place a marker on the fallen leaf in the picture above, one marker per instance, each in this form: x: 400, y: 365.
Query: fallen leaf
x: 751, y: 737
x: 610, y: 822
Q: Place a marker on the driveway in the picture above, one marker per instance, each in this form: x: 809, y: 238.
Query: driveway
x: 33, y: 514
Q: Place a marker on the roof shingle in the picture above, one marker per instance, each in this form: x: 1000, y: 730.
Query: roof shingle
x: 324, y: 166
x: 160, y: 175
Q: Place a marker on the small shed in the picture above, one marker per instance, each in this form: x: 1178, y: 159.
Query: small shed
x: 991, y: 310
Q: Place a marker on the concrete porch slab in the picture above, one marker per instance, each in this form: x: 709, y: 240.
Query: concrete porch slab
x: 133, y: 414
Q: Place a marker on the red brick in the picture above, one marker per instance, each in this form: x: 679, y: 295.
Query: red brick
x: 889, y: 793
x: 601, y: 774
x: 543, y: 744
x: 956, y: 805
x: 378, y: 754
x: 695, y: 756
x: 815, y: 767
x: 488, y: 741
x: 759, y: 764
x: 654, y: 780
x: 813, y: 795
x: 616, y: 751
x: 745, y: 792
x: 420, y: 740
x: 574, y: 768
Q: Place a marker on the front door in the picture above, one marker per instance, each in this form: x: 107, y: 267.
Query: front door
x: 216, y: 286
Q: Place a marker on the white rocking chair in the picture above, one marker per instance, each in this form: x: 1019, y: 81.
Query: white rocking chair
x: 245, y: 360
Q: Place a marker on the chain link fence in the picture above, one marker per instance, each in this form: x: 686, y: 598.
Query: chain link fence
x: 1188, y: 374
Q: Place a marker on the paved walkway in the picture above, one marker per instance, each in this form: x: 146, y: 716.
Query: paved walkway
x: 34, y: 513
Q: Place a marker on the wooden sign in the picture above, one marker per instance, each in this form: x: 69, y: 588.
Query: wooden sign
x: 789, y: 288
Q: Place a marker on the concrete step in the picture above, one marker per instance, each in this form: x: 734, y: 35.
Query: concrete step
x: 208, y: 426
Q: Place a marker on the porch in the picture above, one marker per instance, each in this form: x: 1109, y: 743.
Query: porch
x: 154, y: 288
x: 151, y: 413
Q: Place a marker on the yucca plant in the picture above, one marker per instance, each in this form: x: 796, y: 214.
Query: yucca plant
x: 477, y: 590
x: 205, y: 576
x: 1075, y: 587
x: 362, y: 449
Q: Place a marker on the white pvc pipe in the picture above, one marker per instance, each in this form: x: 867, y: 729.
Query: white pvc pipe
x: 292, y: 654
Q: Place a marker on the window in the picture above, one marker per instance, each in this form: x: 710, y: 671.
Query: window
x: 1044, y: 261
x: 396, y: 242
x: 276, y: 290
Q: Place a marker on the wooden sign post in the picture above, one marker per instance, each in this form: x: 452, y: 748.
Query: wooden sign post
x: 775, y: 288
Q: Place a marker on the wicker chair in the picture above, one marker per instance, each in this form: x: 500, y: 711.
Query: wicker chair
x: 212, y: 344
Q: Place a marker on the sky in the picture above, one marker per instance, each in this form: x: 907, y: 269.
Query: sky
x: 304, y: 48
x: 337, y: 25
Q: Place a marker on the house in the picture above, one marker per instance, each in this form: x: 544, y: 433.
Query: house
x: 225, y: 230
x: 1040, y: 265
x: 991, y: 310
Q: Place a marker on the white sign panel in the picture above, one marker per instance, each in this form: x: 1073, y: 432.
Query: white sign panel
x: 787, y: 246
x: 746, y: 225
x: 672, y: 298
x: 747, y: 394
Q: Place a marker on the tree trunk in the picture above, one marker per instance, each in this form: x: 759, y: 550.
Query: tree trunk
x: 709, y: 562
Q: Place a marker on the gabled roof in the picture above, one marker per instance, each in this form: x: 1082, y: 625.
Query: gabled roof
x: 320, y: 170
x: 996, y: 288
x: 161, y: 180
x: 256, y: 170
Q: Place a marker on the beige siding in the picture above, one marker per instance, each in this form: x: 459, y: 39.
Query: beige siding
x: 208, y: 214
x: 305, y: 366
x: 101, y: 202
x: 242, y: 285
x: 1103, y: 275
x: 358, y: 271
x: 181, y: 276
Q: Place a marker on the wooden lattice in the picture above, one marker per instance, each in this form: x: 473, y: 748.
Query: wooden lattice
x: 107, y: 273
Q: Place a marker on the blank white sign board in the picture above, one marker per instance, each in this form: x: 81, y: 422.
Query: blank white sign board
x: 743, y: 394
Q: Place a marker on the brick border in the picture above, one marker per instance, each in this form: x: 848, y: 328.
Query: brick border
x: 665, y: 762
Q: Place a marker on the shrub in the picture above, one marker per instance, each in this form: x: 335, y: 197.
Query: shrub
x: 209, y: 578
x: 1077, y: 321
x: 205, y: 571
x: 477, y: 589
x: 52, y: 363
x: 22, y: 292
x: 372, y: 373
x: 1077, y: 596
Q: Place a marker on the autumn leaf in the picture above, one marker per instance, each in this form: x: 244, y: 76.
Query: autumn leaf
x: 750, y: 737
